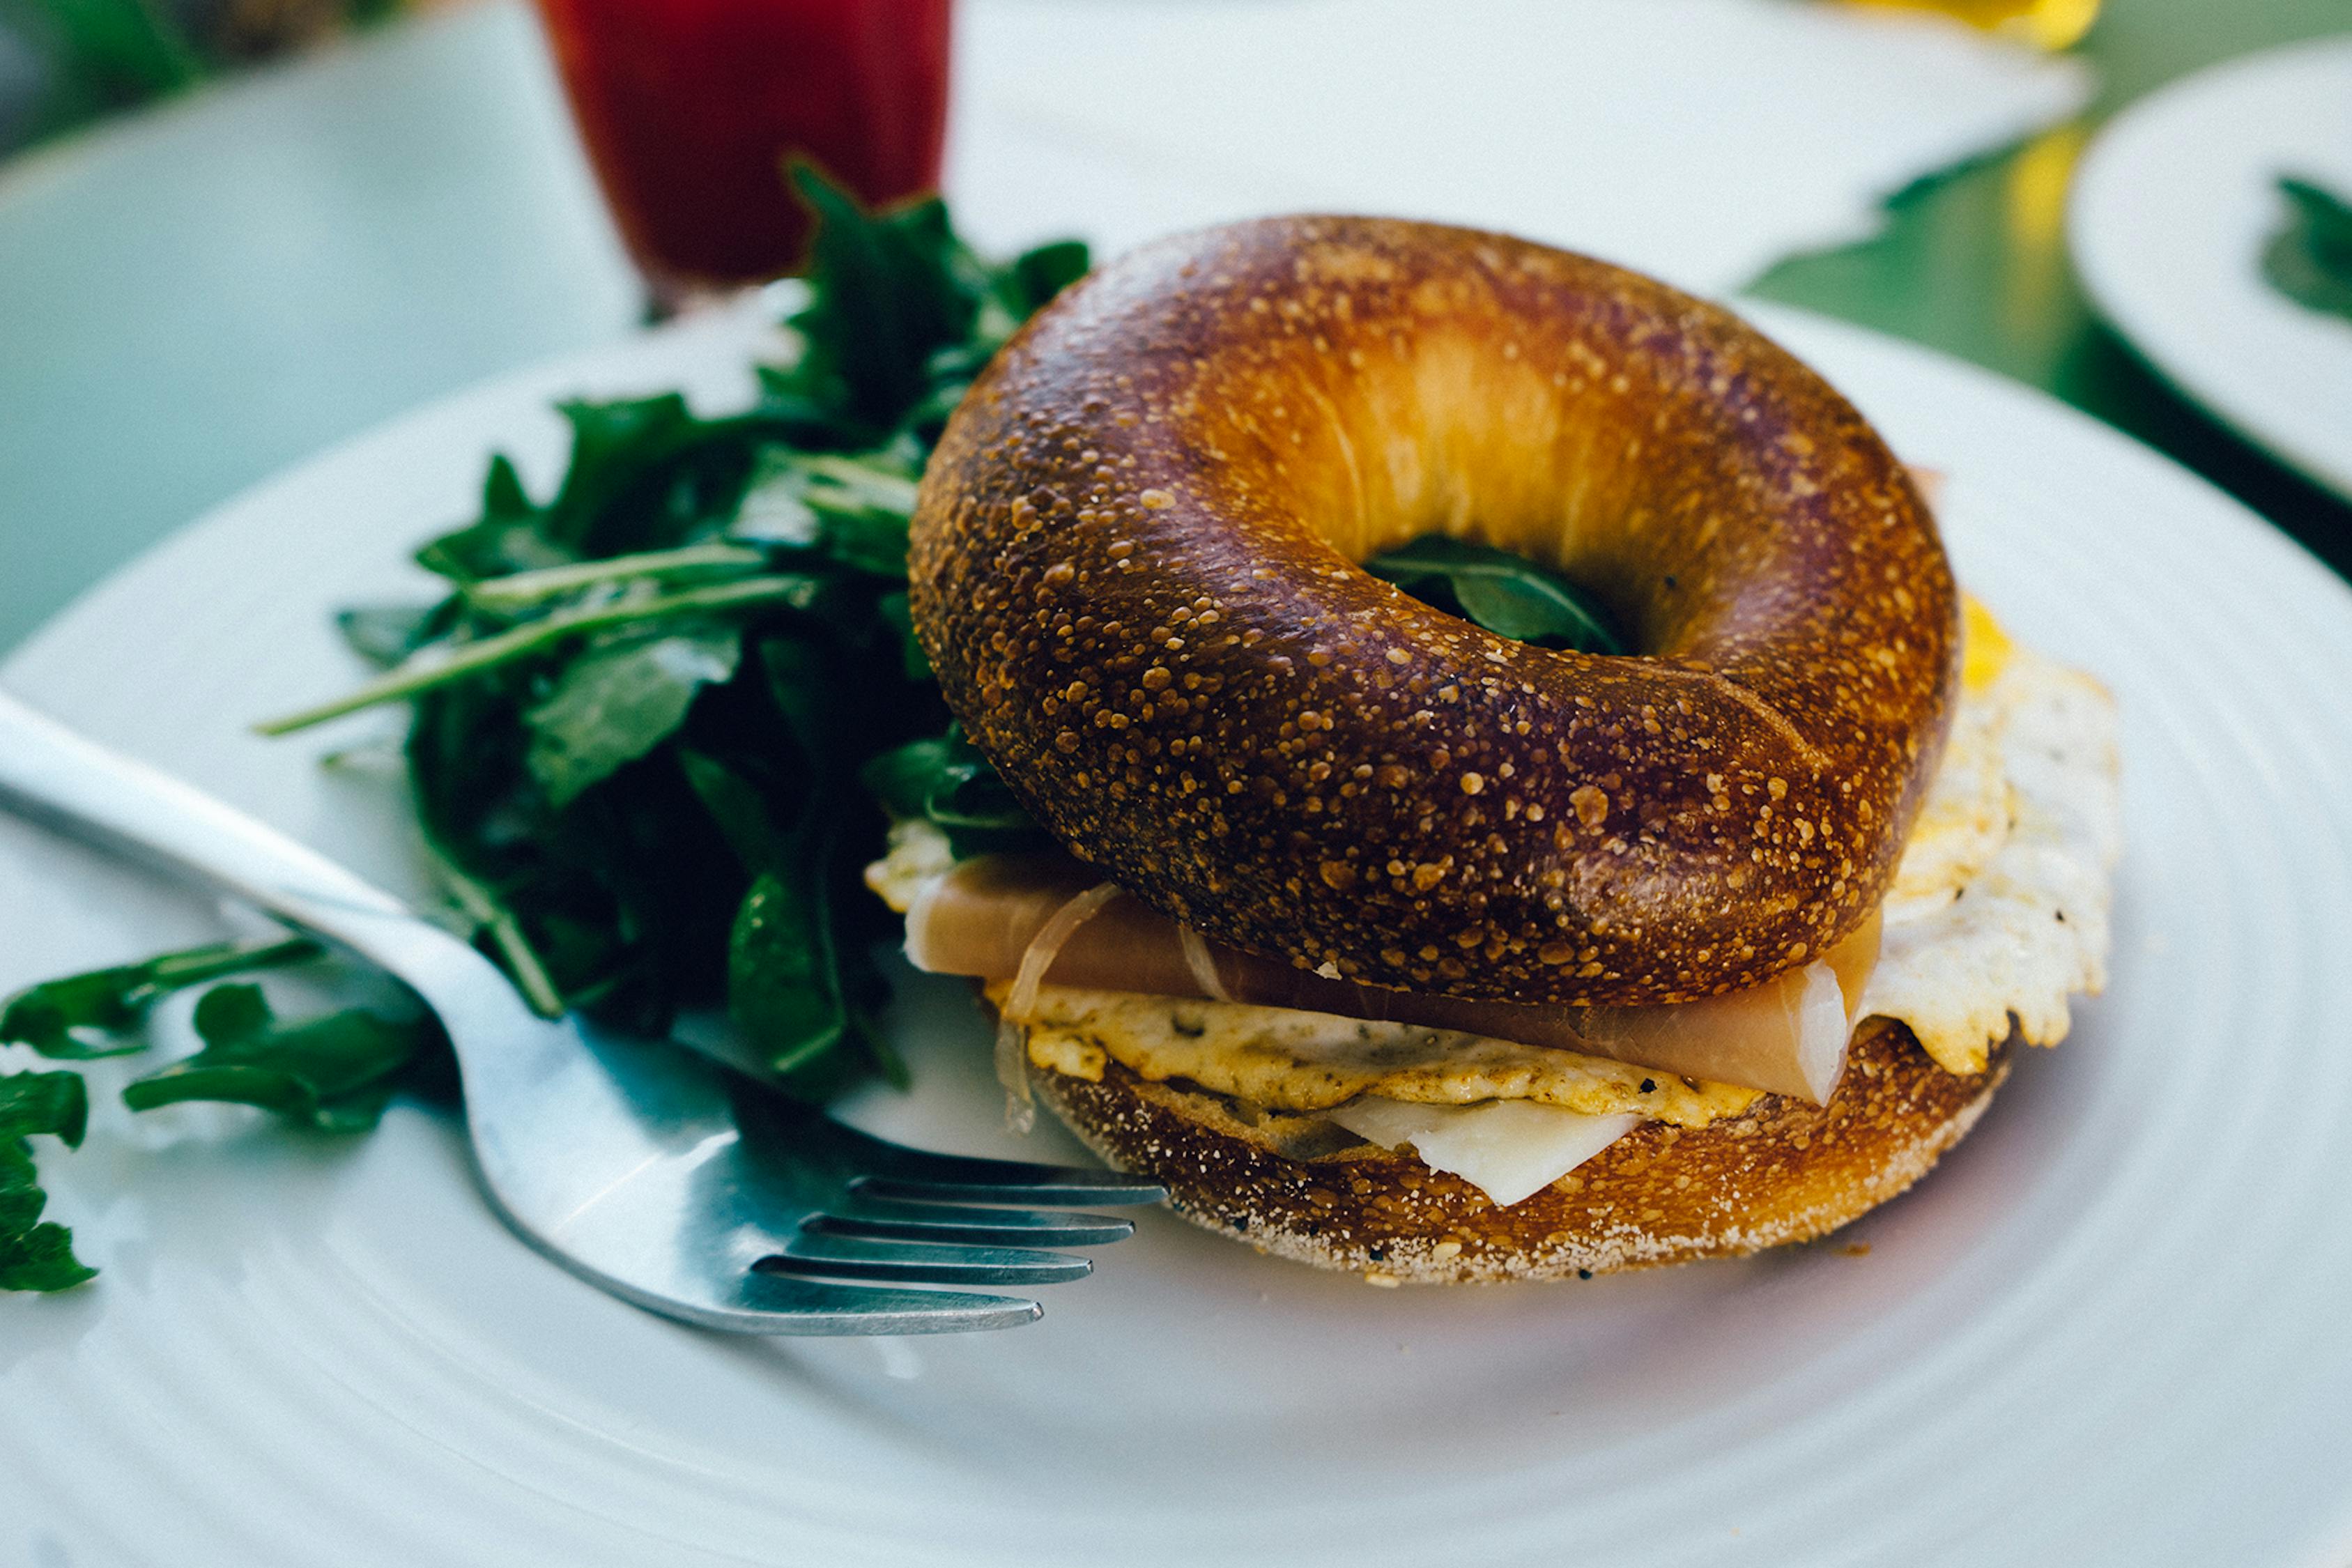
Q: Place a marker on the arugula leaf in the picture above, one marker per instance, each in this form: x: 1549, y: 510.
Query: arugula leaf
x: 468, y: 658
x: 899, y: 613
x: 1507, y: 594
x: 523, y: 592
x: 855, y: 510
x: 784, y: 983
x: 85, y: 1016
x: 495, y: 927
x: 34, y: 1254
x: 948, y: 782
x: 804, y: 684
x: 736, y: 807
x: 796, y: 981
x: 336, y: 1073
x: 894, y: 289
x: 620, y: 699
x: 646, y: 475
x: 383, y: 635
x: 21, y: 1197
x: 55, y: 1103
x: 1035, y: 276
x: 795, y: 988
x: 597, y: 905
x: 2310, y: 259
x: 505, y: 537
x: 42, y: 1257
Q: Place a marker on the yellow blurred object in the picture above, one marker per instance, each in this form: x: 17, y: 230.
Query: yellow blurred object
x: 2046, y: 24
x: 2038, y: 291
x: 2033, y: 196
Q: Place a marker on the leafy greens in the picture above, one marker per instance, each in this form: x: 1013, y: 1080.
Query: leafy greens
x: 2310, y: 258
x: 642, y: 710
x: 36, y: 1254
x: 87, y: 1016
x: 335, y: 1072
x: 1507, y: 594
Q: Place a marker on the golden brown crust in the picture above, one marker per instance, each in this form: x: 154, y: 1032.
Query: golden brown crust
x: 1781, y: 1172
x: 1133, y: 569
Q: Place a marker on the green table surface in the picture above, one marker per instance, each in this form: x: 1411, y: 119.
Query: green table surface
x: 197, y: 296
x: 1974, y: 262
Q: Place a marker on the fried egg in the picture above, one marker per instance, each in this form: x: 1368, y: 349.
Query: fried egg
x: 1291, y: 1060
x: 1999, y: 911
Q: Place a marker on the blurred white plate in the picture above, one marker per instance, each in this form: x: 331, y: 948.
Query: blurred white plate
x: 2110, y: 1330
x: 1699, y: 140
x: 2170, y: 211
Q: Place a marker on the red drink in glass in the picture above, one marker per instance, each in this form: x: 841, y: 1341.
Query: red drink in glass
x: 691, y: 110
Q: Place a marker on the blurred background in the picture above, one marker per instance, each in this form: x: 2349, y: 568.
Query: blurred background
x: 233, y: 232
x: 65, y: 63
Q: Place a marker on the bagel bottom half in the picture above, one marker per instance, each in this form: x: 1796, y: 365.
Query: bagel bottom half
x: 1782, y: 1171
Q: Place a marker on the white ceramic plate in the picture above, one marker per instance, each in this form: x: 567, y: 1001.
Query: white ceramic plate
x: 2169, y: 214
x: 2110, y: 1330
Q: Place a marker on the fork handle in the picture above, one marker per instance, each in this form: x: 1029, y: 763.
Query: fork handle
x: 50, y: 774
x: 53, y: 775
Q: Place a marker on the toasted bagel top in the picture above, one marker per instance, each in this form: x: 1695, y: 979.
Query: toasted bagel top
x: 1135, y: 569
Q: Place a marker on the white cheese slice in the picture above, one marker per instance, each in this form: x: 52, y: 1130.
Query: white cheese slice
x: 1508, y: 1149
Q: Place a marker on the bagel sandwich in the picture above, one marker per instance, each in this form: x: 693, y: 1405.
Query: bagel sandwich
x: 1392, y: 945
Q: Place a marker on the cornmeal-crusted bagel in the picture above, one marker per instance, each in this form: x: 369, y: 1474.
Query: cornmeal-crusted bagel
x: 1783, y: 1171
x: 1134, y: 568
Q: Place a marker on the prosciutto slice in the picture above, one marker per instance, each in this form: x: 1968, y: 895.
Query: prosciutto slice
x: 994, y: 918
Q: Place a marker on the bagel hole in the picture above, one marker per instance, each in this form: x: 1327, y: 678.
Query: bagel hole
x: 1505, y: 593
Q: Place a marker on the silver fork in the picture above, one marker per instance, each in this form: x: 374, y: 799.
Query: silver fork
x: 657, y: 1174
